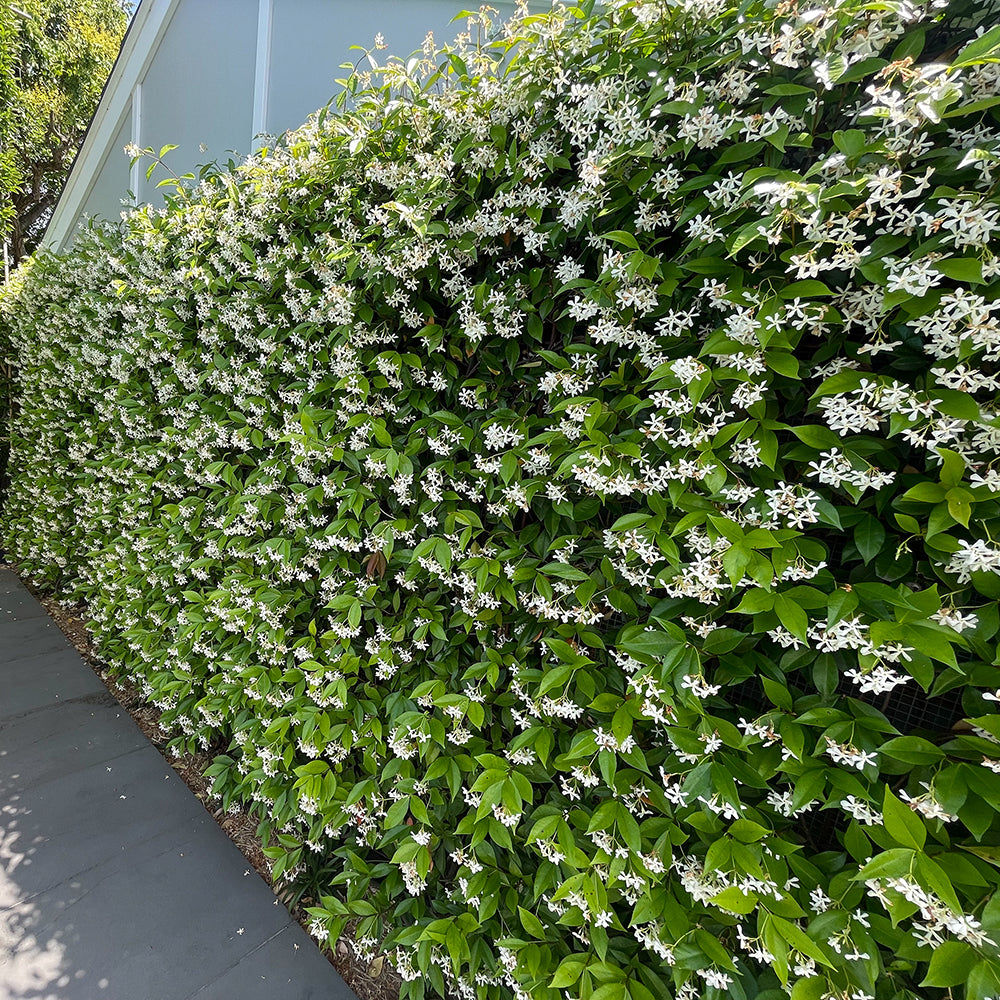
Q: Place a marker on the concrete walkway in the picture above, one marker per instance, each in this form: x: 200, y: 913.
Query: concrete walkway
x: 115, y: 883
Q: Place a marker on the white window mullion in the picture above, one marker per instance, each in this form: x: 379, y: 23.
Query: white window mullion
x: 262, y: 70
x: 137, y: 168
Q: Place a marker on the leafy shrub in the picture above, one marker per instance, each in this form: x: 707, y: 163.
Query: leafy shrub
x: 565, y: 486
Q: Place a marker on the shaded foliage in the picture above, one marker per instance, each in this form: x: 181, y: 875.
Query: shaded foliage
x: 566, y: 485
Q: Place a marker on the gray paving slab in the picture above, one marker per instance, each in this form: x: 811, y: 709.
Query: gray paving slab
x: 47, y: 678
x: 31, y: 636
x: 269, y: 969
x: 123, y: 815
x: 39, y: 746
x: 16, y: 603
x: 115, y: 883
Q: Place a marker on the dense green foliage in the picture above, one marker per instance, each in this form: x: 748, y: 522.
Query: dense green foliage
x: 8, y: 173
x: 56, y: 55
x: 562, y: 490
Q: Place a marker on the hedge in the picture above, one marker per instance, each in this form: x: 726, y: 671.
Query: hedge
x: 561, y: 490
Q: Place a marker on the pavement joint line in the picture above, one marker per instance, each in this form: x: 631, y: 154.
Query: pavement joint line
x: 109, y: 859
x: 101, y: 699
x: 243, y: 957
x: 97, y: 762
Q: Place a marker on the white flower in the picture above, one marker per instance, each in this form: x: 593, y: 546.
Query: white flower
x: 972, y: 558
x: 845, y: 753
x: 928, y: 805
x: 687, y: 369
x: 820, y: 901
x: 877, y: 679
x: 955, y: 619
x: 699, y: 687
x: 861, y: 811
x: 715, y: 977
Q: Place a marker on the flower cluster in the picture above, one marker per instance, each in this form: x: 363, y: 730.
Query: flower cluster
x: 561, y: 489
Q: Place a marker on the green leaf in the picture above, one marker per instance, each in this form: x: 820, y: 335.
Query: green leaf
x: 735, y: 561
x: 912, y: 750
x: 930, y: 875
x: 985, y: 48
x: 851, y: 142
x: 925, y: 638
x: 722, y: 640
x: 967, y: 269
x: 960, y: 509
x: 990, y: 854
x: 911, y: 45
x: 565, y: 652
x: 817, y: 436
x: 747, y: 831
x: 888, y: 864
x: 955, y: 403
x: 777, y: 693
x: 983, y: 981
x: 925, y: 493
x: 840, y: 604
x: 783, y: 363
x: 901, y: 823
x: 950, y: 964
x: 808, y: 289
x: 622, y: 237
x: 869, y: 536
x: 751, y: 232
x: 735, y: 901
x: 714, y: 949
x: 568, y: 974
x: 987, y: 583
x: 651, y: 644
x: 756, y: 601
x: 532, y: 924
x: 611, y: 991
x: 857, y: 843
x: 952, y: 467
x: 811, y: 988
x: 798, y: 939
x: 791, y: 615
x: 787, y: 89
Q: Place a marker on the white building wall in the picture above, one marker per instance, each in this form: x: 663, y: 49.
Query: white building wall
x: 219, y: 72
x: 112, y: 182
x: 312, y: 39
x: 198, y: 88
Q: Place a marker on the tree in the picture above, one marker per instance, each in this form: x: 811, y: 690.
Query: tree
x: 8, y: 172
x: 56, y: 56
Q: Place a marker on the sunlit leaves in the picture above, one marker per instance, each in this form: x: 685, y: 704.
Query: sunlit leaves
x: 583, y: 578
